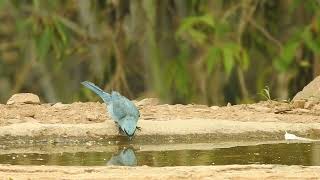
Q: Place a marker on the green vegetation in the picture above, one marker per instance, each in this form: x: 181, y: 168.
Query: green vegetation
x: 199, y: 51
x: 266, y: 93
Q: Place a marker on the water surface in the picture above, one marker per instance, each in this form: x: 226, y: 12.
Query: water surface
x: 283, y: 153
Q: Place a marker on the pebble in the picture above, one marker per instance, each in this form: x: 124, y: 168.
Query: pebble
x: 148, y: 101
x: 89, y: 143
x: 298, y: 103
x: 92, y: 116
x: 310, y: 104
x: 23, y: 98
x: 214, y: 107
x: 316, y: 107
x: 59, y: 105
x: 300, y: 110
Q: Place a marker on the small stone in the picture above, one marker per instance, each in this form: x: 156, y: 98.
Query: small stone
x: 92, y: 116
x: 89, y: 143
x: 316, y: 107
x: 30, y: 119
x: 282, y: 109
x: 309, y: 104
x: 148, y: 102
x: 214, y: 107
x: 15, y: 120
x: 229, y: 104
x: 299, y: 110
x: 24, y: 98
x: 298, y: 103
x: 59, y: 105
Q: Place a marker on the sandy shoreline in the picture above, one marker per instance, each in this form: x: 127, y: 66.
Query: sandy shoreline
x: 181, y: 172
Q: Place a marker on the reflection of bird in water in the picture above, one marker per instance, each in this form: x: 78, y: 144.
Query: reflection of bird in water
x: 126, y: 157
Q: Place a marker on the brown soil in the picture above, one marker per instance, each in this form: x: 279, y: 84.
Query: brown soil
x: 266, y: 120
x: 144, y: 172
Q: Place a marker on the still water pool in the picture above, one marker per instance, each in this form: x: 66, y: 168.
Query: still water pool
x: 282, y: 153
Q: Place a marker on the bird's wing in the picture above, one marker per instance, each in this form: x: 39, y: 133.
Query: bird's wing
x: 118, y: 109
x: 122, y: 106
x: 132, y: 109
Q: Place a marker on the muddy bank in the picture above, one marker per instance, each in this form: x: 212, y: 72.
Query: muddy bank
x: 90, y: 121
x: 182, y: 172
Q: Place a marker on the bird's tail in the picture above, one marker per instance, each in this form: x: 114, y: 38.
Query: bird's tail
x: 105, y: 96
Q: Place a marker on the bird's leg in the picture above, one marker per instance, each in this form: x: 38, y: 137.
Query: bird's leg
x: 121, y: 131
x: 139, y: 128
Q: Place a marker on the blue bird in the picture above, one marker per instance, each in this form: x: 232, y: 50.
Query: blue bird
x: 123, y: 111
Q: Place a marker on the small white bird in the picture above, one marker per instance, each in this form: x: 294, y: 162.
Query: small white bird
x: 288, y: 136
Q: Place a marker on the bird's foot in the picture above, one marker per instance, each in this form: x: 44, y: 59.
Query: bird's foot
x: 139, y: 128
x: 120, y: 130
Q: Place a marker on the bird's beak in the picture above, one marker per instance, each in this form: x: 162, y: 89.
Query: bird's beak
x: 130, y: 137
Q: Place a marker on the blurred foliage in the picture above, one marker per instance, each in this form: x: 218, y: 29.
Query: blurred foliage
x: 198, y: 51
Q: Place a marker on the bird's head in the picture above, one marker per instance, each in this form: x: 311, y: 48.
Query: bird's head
x: 128, y: 126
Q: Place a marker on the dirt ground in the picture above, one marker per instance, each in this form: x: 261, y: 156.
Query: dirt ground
x: 144, y: 172
x: 181, y: 123
x: 267, y: 120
